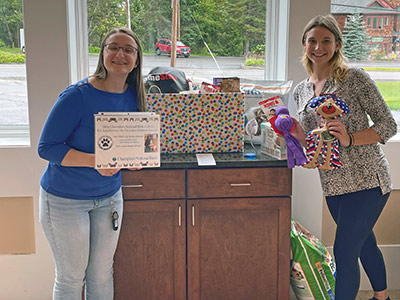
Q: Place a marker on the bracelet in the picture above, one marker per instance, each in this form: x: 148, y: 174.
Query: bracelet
x: 351, y: 139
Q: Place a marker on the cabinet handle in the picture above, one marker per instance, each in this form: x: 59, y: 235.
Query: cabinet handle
x: 240, y: 184
x: 180, y: 215
x: 132, y: 185
x: 193, y: 215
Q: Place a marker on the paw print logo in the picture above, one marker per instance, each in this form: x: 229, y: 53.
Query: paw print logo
x: 105, y: 142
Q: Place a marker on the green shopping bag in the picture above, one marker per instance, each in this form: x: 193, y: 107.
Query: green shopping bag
x: 313, y: 271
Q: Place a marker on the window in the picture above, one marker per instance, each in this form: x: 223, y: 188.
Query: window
x: 377, y: 22
x: 236, y: 29
x: 376, y: 47
x: 374, y: 23
x: 14, y: 122
x: 382, y: 62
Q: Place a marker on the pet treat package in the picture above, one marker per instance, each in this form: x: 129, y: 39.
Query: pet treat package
x: 312, y: 271
x: 256, y: 91
x: 271, y: 143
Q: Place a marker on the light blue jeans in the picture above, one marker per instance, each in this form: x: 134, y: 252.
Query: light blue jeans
x: 83, y: 243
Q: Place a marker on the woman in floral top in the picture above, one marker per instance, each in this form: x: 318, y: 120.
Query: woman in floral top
x: 357, y: 192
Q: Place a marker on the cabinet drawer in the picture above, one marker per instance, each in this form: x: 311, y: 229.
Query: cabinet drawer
x: 153, y: 184
x: 239, y: 182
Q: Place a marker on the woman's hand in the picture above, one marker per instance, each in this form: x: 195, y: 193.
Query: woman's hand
x: 108, y: 172
x: 337, y: 129
x: 298, y: 133
x: 135, y: 169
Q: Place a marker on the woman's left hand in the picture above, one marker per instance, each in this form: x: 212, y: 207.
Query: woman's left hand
x: 108, y: 172
x: 337, y: 129
x: 135, y: 169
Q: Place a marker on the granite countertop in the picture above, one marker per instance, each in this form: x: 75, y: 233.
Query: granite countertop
x: 223, y: 160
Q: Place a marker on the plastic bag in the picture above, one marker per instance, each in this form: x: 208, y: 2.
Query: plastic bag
x: 313, y: 271
x: 258, y: 90
x: 161, y: 80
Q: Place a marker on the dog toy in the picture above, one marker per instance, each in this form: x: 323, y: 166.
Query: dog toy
x: 319, y: 141
x: 283, y: 124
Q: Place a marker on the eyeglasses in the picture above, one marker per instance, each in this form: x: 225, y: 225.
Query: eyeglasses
x: 114, y: 48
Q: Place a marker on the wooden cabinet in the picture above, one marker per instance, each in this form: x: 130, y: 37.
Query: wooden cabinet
x: 233, y: 244
x: 238, y: 248
x: 150, y: 261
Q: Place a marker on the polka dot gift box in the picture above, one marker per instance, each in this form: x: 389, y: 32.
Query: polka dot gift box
x: 195, y: 123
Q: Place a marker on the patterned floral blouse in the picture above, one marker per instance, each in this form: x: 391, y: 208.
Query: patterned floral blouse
x: 364, y: 167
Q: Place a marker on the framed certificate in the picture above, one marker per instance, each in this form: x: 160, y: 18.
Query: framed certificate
x: 127, y: 140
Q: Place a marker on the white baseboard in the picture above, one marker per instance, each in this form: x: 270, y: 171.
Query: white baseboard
x: 391, y: 254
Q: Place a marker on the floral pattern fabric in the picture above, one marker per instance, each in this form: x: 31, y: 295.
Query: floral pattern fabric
x: 365, y: 166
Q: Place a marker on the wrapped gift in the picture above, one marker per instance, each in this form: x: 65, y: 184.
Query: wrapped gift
x: 195, y: 123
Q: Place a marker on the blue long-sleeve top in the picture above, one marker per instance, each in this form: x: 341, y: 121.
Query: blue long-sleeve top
x: 70, y: 125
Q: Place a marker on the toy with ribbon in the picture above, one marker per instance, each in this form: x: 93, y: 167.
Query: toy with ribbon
x: 319, y: 141
x: 283, y: 124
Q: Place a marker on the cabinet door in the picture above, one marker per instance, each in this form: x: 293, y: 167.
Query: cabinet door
x: 150, y: 261
x: 238, y: 248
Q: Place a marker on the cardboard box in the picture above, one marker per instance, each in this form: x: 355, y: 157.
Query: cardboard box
x: 271, y: 143
x: 227, y: 84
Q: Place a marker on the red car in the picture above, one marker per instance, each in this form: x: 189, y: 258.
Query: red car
x: 164, y: 46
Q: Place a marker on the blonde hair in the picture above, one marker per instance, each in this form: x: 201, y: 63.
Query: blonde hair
x: 135, y: 77
x: 337, y: 65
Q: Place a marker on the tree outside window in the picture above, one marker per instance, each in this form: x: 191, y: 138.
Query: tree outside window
x: 373, y: 27
x: 355, y: 38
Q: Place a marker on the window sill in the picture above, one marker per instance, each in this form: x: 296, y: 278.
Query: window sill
x: 14, y: 136
x: 395, y: 139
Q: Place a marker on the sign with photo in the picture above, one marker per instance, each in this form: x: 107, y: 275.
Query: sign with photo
x: 127, y: 140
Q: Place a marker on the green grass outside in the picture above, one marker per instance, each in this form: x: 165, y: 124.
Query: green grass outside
x: 254, y: 62
x: 381, y: 69
x: 390, y: 91
x: 11, y: 50
x: 11, y: 56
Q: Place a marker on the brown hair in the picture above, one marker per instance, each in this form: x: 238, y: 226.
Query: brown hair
x: 337, y: 65
x: 135, y: 77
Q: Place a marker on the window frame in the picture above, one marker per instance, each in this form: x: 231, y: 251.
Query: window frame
x: 277, y: 17
x: 16, y: 136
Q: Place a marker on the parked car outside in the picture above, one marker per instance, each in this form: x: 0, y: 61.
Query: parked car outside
x: 164, y: 46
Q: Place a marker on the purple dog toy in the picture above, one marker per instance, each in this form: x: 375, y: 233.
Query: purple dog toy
x: 284, y: 123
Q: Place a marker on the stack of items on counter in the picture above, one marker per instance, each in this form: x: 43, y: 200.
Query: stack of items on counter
x: 193, y: 120
x: 211, y: 115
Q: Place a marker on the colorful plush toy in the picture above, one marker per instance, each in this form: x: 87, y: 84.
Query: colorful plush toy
x: 320, y: 141
x: 283, y: 124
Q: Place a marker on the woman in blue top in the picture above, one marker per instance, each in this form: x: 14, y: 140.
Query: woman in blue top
x: 76, y: 200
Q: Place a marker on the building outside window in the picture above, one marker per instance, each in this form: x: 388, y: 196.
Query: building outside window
x: 381, y: 21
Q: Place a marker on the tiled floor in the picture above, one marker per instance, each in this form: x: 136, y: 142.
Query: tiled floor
x: 364, y: 295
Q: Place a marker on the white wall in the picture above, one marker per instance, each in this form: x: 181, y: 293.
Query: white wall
x: 25, y: 277
x: 307, y: 192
